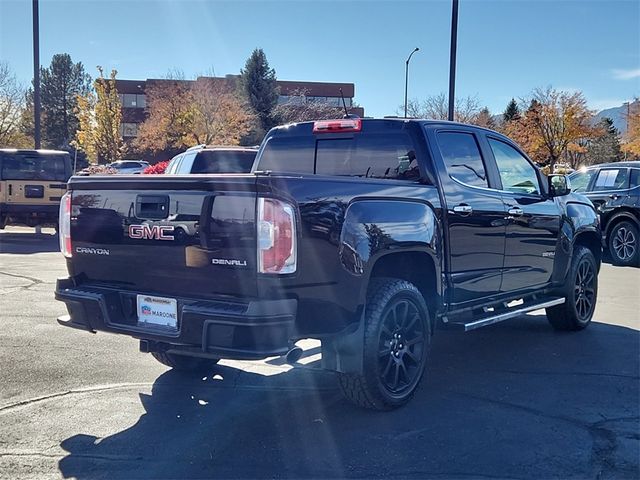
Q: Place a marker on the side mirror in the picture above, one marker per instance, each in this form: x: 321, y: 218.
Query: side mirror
x: 559, y: 185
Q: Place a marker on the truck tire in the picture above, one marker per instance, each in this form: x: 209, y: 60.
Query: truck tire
x: 624, y: 244
x: 580, y: 292
x: 184, y: 363
x: 396, y: 345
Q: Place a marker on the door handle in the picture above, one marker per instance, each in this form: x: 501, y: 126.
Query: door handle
x: 515, y: 212
x: 10, y: 189
x: 613, y: 196
x: 463, y: 209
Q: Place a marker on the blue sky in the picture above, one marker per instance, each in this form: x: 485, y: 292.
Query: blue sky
x: 505, y: 48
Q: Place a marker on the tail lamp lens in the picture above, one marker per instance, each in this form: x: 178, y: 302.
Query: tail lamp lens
x: 276, y: 237
x: 64, y: 225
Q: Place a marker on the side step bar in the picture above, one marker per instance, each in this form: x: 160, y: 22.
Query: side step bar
x: 519, y: 310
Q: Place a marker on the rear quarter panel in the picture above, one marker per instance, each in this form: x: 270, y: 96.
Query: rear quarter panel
x: 345, y: 226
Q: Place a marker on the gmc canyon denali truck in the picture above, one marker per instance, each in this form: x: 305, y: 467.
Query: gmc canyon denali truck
x: 365, y: 234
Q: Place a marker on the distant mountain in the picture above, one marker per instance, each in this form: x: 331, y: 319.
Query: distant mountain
x: 618, y: 115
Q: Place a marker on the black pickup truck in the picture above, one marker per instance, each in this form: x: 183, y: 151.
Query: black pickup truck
x: 365, y: 234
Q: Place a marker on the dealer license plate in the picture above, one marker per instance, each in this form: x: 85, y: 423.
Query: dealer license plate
x: 157, y: 311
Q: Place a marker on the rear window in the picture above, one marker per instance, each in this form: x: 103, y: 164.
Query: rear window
x: 388, y: 155
x: 372, y: 156
x: 220, y: 161
x: 634, y: 180
x: 35, y: 167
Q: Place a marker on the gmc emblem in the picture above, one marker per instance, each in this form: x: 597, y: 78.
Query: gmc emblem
x: 151, y: 232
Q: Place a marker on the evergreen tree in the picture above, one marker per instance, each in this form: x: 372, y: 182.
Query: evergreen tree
x: 605, y: 147
x: 61, y: 85
x: 258, y: 85
x: 511, y: 112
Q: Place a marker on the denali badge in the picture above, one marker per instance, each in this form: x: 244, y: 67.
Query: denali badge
x: 151, y: 232
x: 224, y: 261
x: 92, y: 251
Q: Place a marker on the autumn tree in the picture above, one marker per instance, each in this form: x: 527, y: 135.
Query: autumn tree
x: 216, y: 114
x: 554, y: 122
x: 168, y: 120
x: 631, y: 145
x: 100, y: 116
x: 258, y: 84
x: 61, y: 84
x: 299, y: 108
x: 436, y: 107
x: 12, y: 104
x: 484, y: 119
x: 184, y: 113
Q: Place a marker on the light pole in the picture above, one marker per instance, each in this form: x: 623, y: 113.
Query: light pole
x: 406, y: 80
x: 36, y: 75
x: 452, y: 59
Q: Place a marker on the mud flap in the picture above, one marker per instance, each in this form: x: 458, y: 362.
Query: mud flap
x: 344, y: 352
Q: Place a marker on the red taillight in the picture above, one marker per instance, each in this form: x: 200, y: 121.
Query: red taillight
x: 345, y: 125
x: 64, y: 225
x: 276, y: 237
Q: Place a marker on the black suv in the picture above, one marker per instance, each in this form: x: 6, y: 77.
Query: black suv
x: 614, y: 189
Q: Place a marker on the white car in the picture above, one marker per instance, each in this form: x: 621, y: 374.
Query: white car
x: 128, y: 167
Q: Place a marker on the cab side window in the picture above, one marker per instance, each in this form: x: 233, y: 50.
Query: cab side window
x: 516, y: 173
x: 462, y: 158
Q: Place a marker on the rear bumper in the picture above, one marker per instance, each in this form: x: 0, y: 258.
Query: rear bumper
x: 215, y: 328
x: 26, y: 213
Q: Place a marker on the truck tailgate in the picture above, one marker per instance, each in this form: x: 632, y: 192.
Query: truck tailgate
x: 189, y: 236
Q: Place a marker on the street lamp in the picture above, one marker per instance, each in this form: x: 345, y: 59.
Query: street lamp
x: 406, y: 80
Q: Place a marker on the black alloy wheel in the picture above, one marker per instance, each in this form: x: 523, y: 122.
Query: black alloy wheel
x: 580, y: 292
x: 585, y: 290
x: 402, y: 339
x: 397, y: 338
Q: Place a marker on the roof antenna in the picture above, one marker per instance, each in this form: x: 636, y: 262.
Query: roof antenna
x: 344, y: 104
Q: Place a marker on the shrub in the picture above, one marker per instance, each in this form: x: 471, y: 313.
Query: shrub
x: 156, y: 169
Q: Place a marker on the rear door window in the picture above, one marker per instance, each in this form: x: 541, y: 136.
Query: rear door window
x: 462, y: 158
x: 612, y: 179
x: 389, y: 155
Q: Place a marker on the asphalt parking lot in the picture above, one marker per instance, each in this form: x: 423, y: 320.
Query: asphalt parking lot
x: 514, y: 400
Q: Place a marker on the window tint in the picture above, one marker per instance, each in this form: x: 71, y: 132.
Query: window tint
x: 580, y: 180
x: 462, y: 158
x: 612, y: 179
x: 288, y: 154
x: 219, y: 161
x: 373, y: 156
x: 34, y: 167
x: 516, y: 173
x: 634, y: 181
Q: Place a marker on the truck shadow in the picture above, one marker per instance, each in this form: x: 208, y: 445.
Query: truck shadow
x: 23, y: 242
x: 514, y: 400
